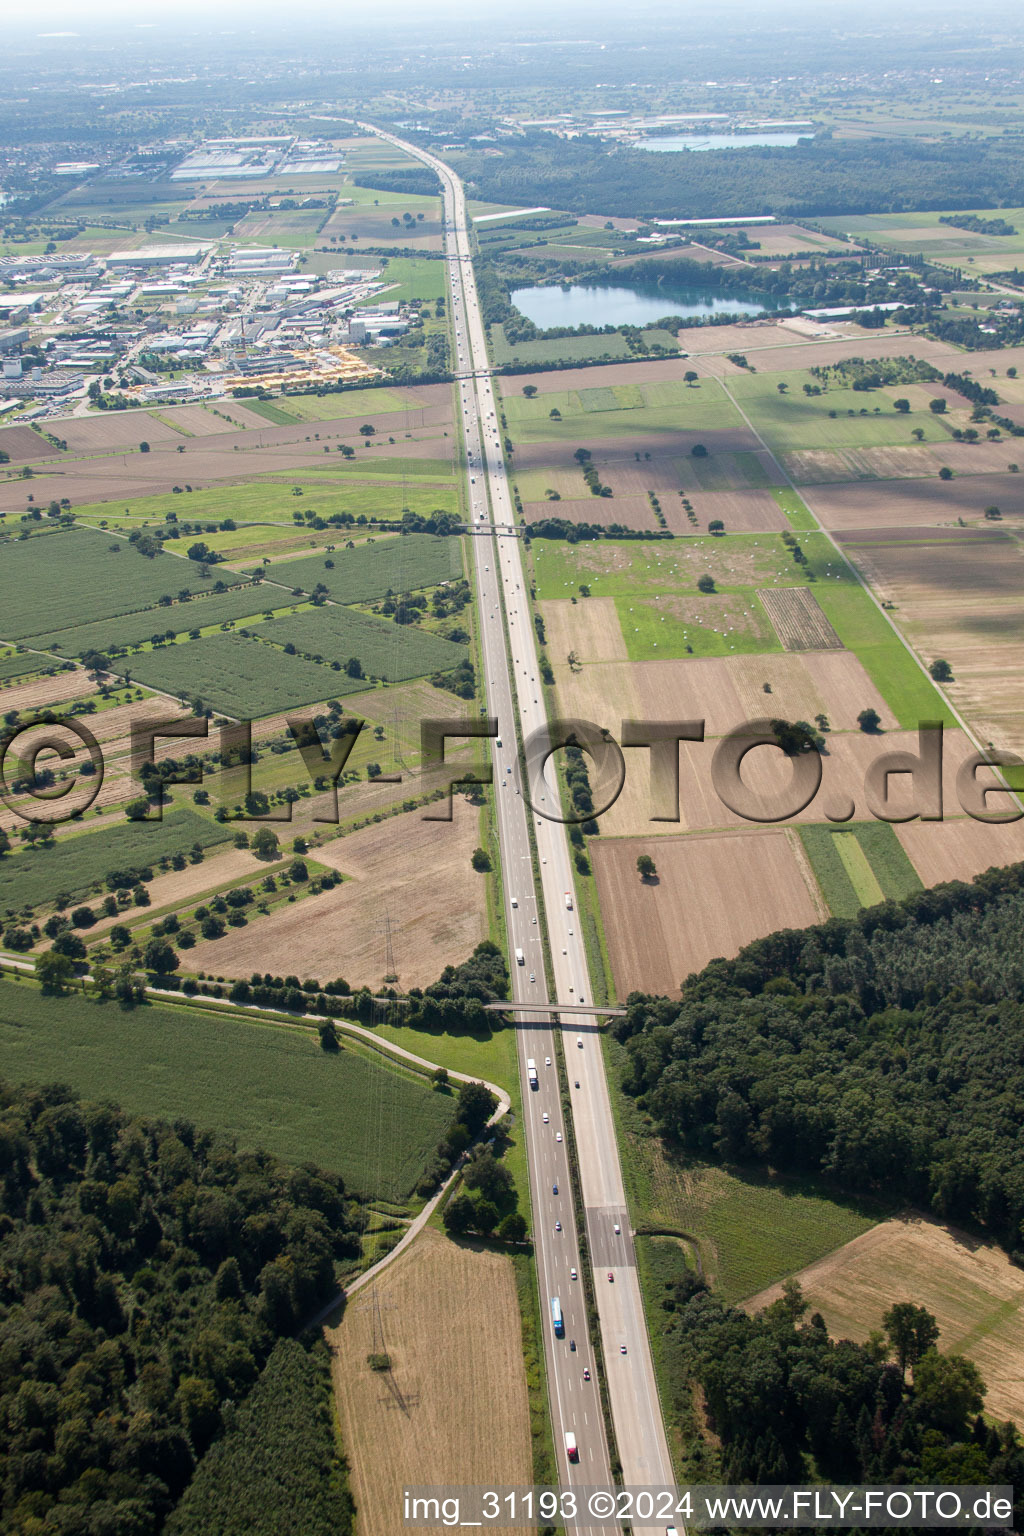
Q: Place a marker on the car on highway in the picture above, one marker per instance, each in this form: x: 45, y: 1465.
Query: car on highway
x: 558, y: 1135
x: 579, y: 1041
x: 611, y: 1278
x: 554, y: 1189
x: 586, y: 1373
x: 616, y: 1229
x: 558, y: 1226
x: 622, y: 1349
x: 546, y: 1117
x: 532, y: 976
x: 547, y: 1061
x: 573, y: 1275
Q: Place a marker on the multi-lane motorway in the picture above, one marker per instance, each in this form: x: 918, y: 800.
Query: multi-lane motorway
x: 515, y: 696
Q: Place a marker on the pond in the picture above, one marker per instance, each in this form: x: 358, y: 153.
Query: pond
x: 669, y: 143
x: 615, y: 304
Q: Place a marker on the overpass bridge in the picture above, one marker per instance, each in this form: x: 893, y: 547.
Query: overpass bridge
x: 604, y: 1013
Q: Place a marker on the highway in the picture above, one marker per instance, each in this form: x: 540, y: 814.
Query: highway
x: 509, y: 655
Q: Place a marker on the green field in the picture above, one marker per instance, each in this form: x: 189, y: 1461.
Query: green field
x: 13, y: 665
x: 795, y: 420
x: 375, y: 488
x: 639, y: 568
x: 238, y: 676
x: 267, y: 1086
x: 135, y: 628
x: 415, y: 277
x: 588, y: 415
x: 575, y: 349
x: 365, y: 403
x: 34, y: 876
x: 800, y: 519
x: 76, y: 577
x: 651, y: 635
x: 399, y: 563
x: 875, y: 868
x: 392, y: 651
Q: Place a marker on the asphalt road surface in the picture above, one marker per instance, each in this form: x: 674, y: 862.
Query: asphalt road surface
x: 514, y: 691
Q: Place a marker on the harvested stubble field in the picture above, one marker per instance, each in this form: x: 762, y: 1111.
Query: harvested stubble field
x: 172, y: 890
x: 393, y: 563
x: 591, y: 629
x: 240, y: 677
x: 724, y: 691
x: 711, y: 895
x: 986, y: 654
x: 416, y: 870
x: 270, y: 1087
x: 454, y: 1337
x: 767, y: 774
x: 80, y: 576
x: 970, y: 1287
x: 43, y: 692
x: 826, y: 465
x: 798, y: 620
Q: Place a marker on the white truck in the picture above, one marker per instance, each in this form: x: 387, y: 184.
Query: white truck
x: 531, y: 1072
x: 568, y: 901
x: 571, y: 1448
x: 520, y: 957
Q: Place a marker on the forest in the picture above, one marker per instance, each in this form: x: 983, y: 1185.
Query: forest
x: 276, y: 1470
x: 146, y: 1273
x: 820, y: 177
x: 884, y: 1053
x: 782, y: 1396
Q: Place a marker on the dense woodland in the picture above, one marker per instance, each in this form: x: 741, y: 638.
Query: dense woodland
x: 885, y: 1053
x: 786, y: 1402
x: 587, y: 175
x: 146, y: 1273
x: 276, y: 1470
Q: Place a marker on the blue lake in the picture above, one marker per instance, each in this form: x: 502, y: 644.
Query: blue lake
x: 608, y: 304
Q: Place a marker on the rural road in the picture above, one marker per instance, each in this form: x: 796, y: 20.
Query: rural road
x: 516, y: 697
